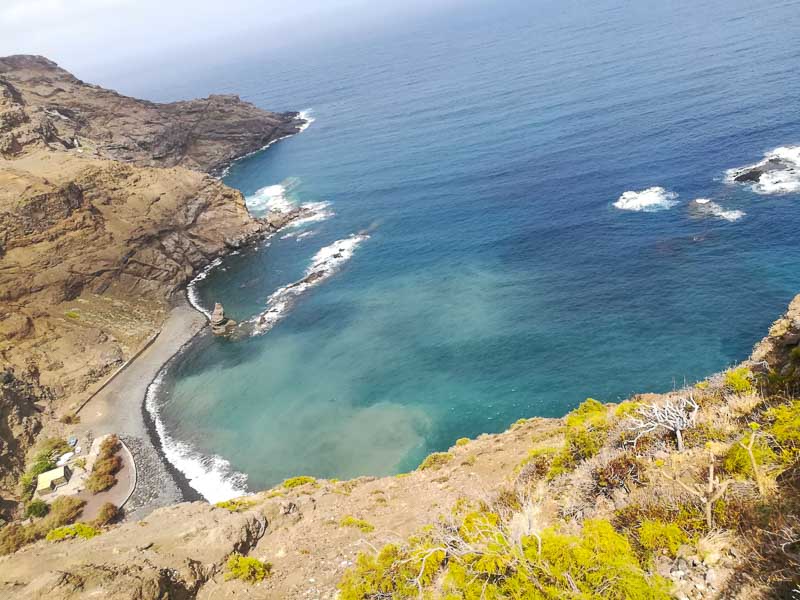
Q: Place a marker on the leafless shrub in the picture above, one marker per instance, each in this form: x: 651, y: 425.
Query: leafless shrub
x: 673, y: 415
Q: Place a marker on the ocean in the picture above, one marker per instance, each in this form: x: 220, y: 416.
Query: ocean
x: 506, y: 222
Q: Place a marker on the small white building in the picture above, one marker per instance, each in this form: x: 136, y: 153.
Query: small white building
x: 49, y: 481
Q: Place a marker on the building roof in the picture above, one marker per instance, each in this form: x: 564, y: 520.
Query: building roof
x: 46, y: 479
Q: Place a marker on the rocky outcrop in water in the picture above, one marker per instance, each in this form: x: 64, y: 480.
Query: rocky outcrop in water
x: 220, y: 324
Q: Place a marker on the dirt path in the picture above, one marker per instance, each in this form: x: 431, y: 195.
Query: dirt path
x: 118, y: 408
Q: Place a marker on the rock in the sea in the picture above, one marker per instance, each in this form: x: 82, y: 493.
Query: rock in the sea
x: 220, y: 324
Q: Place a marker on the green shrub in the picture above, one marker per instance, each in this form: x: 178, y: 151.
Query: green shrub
x: 462, y: 441
x: 785, y: 430
x: 37, y: 508
x: 44, y: 460
x: 97, y: 483
x: 107, y: 514
x: 361, y: 524
x: 236, y: 505
x: 72, y: 314
x: 246, y: 568
x: 739, y: 380
x: 435, y: 461
x: 105, y: 466
x: 737, y: 462
x: 656, y: 535
x: 537, y: 464
x: 78, y: 530
x: 294, y: 482
x: 63, y: 510
x: 597, y: 564
x: 586, y: 429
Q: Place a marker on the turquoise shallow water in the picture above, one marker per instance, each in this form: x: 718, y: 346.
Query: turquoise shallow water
x: 483, y: 150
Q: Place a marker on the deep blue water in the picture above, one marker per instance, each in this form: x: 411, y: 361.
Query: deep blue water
x: 483, y: 148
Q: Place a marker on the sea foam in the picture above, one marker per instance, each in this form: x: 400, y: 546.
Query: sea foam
x: 212, y: 476
x: 705, y: 206
x: 649, y: 200
x: 780, y: 172
x: 324, y: 263
x: 278, y: 198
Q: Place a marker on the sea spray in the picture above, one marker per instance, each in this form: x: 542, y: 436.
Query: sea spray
x: 777, y: 173
x: 325, y: 263
x: 648, y: 200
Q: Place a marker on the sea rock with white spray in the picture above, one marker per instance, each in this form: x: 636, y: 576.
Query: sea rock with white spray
x: 777, y: 173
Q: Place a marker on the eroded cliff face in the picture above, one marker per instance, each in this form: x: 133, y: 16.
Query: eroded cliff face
x: 106, y: 211
x: 42, y: 104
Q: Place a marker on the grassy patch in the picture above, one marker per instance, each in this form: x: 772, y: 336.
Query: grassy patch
x: 361, y: 524
x: 63, y: 510
x: 294, y: 482
x: 246, y: 568
x: 236, y: 505
x: 462, y: 441
x: 435, y: 461
x: 657, y: 536
x: 68, y: 532
x: 739, y: 381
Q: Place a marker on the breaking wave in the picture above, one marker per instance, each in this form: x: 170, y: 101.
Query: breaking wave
x: 307, y: 117
x: 705, y: 206
x: 191, y: 288
x: 325, y: 263
x: 212, y: 476
x: 649, y: 200
x: 278, y: 198
x: 777, y: 173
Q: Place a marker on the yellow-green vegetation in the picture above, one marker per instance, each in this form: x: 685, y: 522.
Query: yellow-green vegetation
x: 106, y: 466
x: 72, y: 314
x: 462, y: 441
x: 78, y: 530
x: 349, y: 521
x: 702, y: 385
x: 294, y: 482
x: 435, y: 461
x: 739, y: 381
x: 44, y: 460
x: 236, y: 504
x: 737, y: 460
x: 626, y: 408
x: 482, y: 560
x: 586, y: 428
x: 63, y: 510
x: 655, y: 535
x: 246, y: 568
x: 784, y: 428
x: 537, y: 464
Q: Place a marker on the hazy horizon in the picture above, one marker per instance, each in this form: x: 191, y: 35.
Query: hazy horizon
x: 90, y: 37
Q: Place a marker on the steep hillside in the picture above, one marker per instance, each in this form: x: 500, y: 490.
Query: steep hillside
x: 101, y: 223
x: 552, y: 508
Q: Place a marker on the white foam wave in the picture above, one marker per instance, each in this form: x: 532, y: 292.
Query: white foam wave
x: 270, y: 198
x: 307, y: 118
x: 212, y: 476
x: 191, y: 289
x: 299, y: 235
x: 777, y: 173
x: 324, y: 264
x: 277, y: 198
x: 708, y: 207
x: 649, y: 200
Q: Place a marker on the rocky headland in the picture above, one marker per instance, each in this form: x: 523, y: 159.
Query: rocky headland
x: 107, y: 209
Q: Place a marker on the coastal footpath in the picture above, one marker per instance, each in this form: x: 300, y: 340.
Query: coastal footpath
x: 107, y: 209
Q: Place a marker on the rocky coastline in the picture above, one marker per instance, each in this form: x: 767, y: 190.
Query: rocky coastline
x: 109, y: 206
